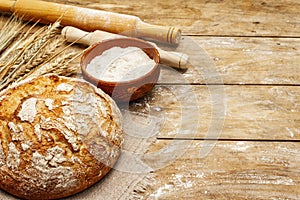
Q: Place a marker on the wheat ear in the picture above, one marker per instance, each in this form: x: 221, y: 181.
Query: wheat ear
x: 30, y: 48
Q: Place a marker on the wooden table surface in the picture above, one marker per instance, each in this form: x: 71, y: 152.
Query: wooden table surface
x: 239, y: 102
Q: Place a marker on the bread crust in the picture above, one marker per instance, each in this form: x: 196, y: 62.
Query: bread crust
x: 58, y: 136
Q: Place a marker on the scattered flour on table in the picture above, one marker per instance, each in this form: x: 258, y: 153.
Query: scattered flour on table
x: 120, y: 64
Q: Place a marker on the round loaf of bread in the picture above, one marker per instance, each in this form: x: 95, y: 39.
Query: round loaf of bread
x: 58, y: 136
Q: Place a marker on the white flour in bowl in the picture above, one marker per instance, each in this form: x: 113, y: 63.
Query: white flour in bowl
x: 120, y: 64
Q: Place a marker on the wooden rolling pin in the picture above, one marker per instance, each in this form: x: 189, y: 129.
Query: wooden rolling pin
x: 90, y: 19
x: 72, y: 34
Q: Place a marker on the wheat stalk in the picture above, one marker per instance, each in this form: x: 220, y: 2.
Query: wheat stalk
x: 9, y: 32
x: 35, y: 54
x: 58, y: 66
x: 49, y: 50
x: 40, y: 57
x: 52, y: 59
x: 15, y: 47
x: 27, y: 50
x: 13, y: 54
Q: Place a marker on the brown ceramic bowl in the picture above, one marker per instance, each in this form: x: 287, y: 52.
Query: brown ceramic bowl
x: 123, y: 91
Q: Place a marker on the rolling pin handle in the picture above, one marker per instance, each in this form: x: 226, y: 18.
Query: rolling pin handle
x: 170, y: 35
x: 174, y: 59
x: 72, y: 34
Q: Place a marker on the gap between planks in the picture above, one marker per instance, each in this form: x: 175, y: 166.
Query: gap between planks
x: 231, y: 84
x: 228, y: 140
x: 243, y: 36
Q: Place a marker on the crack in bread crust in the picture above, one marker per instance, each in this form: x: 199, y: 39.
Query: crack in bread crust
x: 58, y: 136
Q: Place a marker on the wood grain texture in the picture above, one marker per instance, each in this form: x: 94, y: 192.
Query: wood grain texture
x: 211, y: 17
x: 232, y: 170
x: 240, y: 60
x: 250, y: 112
x: 248, y: 52
x: 237, y: 60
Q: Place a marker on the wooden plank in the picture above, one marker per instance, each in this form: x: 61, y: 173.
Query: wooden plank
x: 211, y: 17
x: 251, y: 112
x: 240, y: 60
x: 236, y: 61
x: 241, y: 169
x: 232, y: 170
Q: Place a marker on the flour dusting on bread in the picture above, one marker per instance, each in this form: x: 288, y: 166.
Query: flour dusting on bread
x: 28, y: 111
x: 58, y: 136
x: 64, y: 87
x: 13, y: 157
